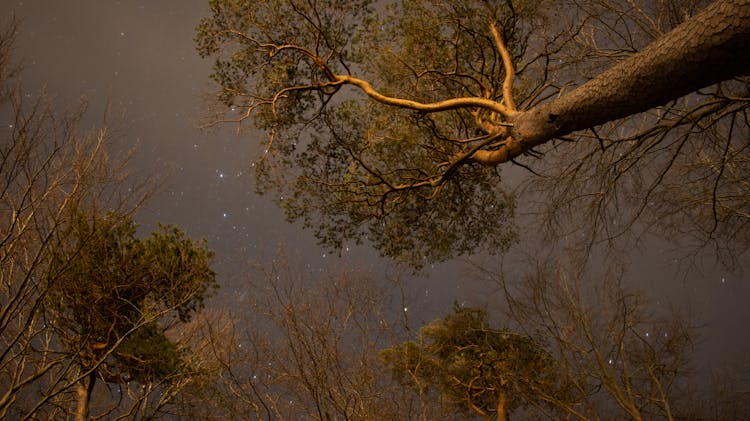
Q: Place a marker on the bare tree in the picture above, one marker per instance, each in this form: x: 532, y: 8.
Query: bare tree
x: 577, y: 343
x: 215, y: 388
x: 307, y: 347
x: 673, y: 170
x: 49, y: 171
x: 622, y: 357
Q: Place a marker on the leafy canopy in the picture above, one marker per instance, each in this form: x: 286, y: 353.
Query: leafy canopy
x: 113, y: 291
x: 473, y: 366
x: 338, y: 88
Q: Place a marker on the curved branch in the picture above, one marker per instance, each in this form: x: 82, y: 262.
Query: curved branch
x: 700, y: 52
x: 508, y: 64
x: 274, y: 49
x: 446, y: 105
x: 505, y: 153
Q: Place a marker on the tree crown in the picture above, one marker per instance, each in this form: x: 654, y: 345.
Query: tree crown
x: 109, y: 290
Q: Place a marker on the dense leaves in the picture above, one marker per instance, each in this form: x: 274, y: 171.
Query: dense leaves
x: 111, y: 292
x: 353, y: 169
x: 378, y: 117
x: 473, y: 366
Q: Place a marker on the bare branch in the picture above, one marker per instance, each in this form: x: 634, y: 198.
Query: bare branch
x: 508, y: 64
x: 446, y: 105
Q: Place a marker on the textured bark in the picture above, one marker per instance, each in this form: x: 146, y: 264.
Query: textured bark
x: 708, y: 48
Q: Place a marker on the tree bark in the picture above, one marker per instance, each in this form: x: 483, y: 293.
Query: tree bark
x: 83, y: 392
x: 708, y: 48
x: 502, y: 406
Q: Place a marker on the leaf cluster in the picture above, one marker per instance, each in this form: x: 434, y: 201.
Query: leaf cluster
x: 110, y: 290
x: 472, y: 365
x: 347, y: 189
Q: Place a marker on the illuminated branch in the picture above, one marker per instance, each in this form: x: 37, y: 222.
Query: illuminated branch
x: 274, y: 49
x: 508, y: 151
x: 508, y: 64
x: 446, y: 105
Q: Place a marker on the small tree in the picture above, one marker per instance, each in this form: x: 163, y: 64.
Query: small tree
x: 476, y: 368
x: 113, y: 297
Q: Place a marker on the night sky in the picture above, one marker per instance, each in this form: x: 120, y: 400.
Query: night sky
x: 139, y: 57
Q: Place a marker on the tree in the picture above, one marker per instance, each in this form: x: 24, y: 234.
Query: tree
x: 481, y: 370
x: 49, y: 170
x: 579, y: 344
x: 306, y: 348
x: 675, y: 170
x: 388, y: 124
x: 67, y: 268
x: 114, y: 296
x: 622, y: 356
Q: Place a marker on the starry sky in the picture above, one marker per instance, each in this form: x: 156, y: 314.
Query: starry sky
x: 138, y: 57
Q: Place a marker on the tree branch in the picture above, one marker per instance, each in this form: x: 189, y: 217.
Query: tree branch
x: 508, y: 64
x: 446, y: 105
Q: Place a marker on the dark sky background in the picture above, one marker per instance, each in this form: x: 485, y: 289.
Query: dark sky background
x: 139, y: 57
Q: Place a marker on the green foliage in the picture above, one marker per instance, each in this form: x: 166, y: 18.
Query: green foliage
x: 250, y: 68
x: 414, y: 224
x: 110, y: 291
x: 473, y: 366
x: 148, y: 355
x: 353, y: 169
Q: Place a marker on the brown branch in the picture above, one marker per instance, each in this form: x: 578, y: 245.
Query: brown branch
x: 508, y: 151
x: 508, y: 65
x: 274, y: 49
x: 446, y: 105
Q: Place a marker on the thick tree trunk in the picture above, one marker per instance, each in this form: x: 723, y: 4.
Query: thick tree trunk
x: 708, y: 48
x: 83, y: 393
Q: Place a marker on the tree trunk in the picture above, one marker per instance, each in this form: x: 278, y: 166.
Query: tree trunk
x: 83, y: 391
x: 708, y: 48
x: 502, y: 406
